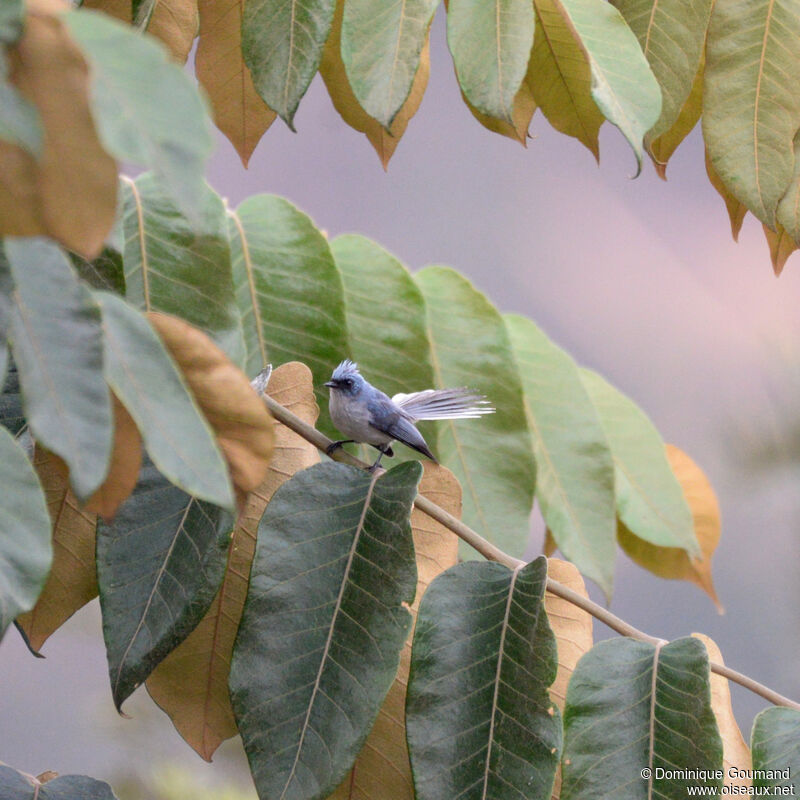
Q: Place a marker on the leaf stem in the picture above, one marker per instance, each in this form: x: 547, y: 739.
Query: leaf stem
x: 489, y: 551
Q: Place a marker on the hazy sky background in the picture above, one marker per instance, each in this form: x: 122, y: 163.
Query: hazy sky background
x: 638, y: 279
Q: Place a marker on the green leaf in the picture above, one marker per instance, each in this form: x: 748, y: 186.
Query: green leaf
x: 12, y: 16
x: 789, y: 206
x: 752, y: 107
x: 288, y: 291
x: 17, y: 786
x: 492, y: 456
x: 650, y: 500
x: 562, y: 78
x: 19, y: 119
x: 394, y: 355
x: 775, y: 746
x: 491, y: 43
x: 147, y: 109
x: 324, y: 623
x: 634, y: 706
x: 177, y: 267
x: 104, y: 272
x: 144, y: 377
x: 672, y: 35
x: 381, y: 48
x: 623, y: 86
x: 282, y: 43
x: 574, y: 467
x: 159, y: 566
x: 25, y: 549
x: 58, y: 349
x: 479, y: 716
x: 12, y: 416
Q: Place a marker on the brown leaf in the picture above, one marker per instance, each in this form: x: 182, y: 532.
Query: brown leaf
x: 735, y: 752
x: 46, y: 776
x: 736, y: 210
x: 673, y: 562
x: 239, y: 111
x: 383, y: 761
x: 572, y: 627
x: 333, y: 73
x: 191, y: 683
x: 781, y: 246
x: 244, y: 428
x: 550, y: 546
x: 123, y: 471
x: 70, y: 193
x: 73, y: 578
x: 521, y: 112
x: 174, y: 22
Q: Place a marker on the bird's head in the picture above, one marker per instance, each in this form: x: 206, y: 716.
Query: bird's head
x: 346, y: 379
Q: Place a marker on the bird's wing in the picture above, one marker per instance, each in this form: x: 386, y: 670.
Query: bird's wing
x: 388, y: 418
x: 460, y: 403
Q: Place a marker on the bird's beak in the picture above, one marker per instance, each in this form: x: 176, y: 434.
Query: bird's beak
x: 330, y: 384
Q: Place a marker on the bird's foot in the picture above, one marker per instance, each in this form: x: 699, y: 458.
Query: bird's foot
x: 334, y: 446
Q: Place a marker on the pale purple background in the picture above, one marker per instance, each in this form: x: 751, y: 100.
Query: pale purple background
x: 638, y: 279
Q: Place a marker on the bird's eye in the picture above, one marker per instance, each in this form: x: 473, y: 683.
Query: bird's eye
x: 347, y: 383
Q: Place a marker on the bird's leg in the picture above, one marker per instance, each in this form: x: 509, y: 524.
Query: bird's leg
x: 383, y: 450
x: 336, y: 445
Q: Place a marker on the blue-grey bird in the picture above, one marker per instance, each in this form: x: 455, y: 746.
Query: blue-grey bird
x: 365, y: 414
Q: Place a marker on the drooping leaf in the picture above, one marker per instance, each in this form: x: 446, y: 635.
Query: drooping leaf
x: 324, y: 623
x: 159, y: 565
x: 179, y: 267
x: 492, y: 456
x: 788, y: 217
x: 25, y: 550
x: 72, y: 581
x: 19, y: 119
x: 781, y: 245
x: 148, y: 382
x: 561, y: 77
x: 239, y: 112
x: 18, y: 786
x: 751, y: 109
x: 735, y: 752
x: 191, y: 683
x: 132, y: 75
x: 383, y: 760
x: 395, y: 355
x: 623, y: 86
x: 69, y: 192
x: 662, y: 147
x: 490, y: 43
x: 344, y: 100
x: 237, y: 415
x: 673, y: 562
x: 104, y: 272
x: 288, y: 290
x: 479, y: 715
x: 672, y: 34
x: 282, y: 43
x: 634, y: 706
x: 775, y: 744
x: 572, y: 627
x: 58, y: 350
x: 522, y: 111
x: 736, y: 209
x: 650, y: 500
x: 381, y: 46
x: 574, y: 466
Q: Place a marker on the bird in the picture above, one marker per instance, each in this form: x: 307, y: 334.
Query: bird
x: 365, y: 414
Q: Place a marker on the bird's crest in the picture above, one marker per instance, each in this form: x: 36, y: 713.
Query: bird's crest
x: 346, y: 369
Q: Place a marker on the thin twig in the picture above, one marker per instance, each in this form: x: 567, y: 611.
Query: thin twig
x: 487, y: 549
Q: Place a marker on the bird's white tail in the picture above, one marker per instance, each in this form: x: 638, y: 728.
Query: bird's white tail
x: 460, y: 403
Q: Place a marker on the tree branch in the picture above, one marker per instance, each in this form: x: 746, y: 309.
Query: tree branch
x: 487, y: 549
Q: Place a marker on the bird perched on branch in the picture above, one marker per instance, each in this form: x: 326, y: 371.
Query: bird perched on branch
x: 366, y: 414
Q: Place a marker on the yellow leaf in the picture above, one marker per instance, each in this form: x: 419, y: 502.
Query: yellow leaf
x: 662, y: 147
x: 70, y: 192
x: 72, y: 581
x: 735, y: 752
x: 572, y: 627
x: 123, y: 471
x: 736, y: 210
x: 244, y: 428
x: 333, y: 73
x: 382, y: 768
x: 191, y: 683
x: 521, y: 113
x: 673, y: 562
x: 549, y: 547
x: 239, y: 111
x: 561, y: 78
x: 781, y: 246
